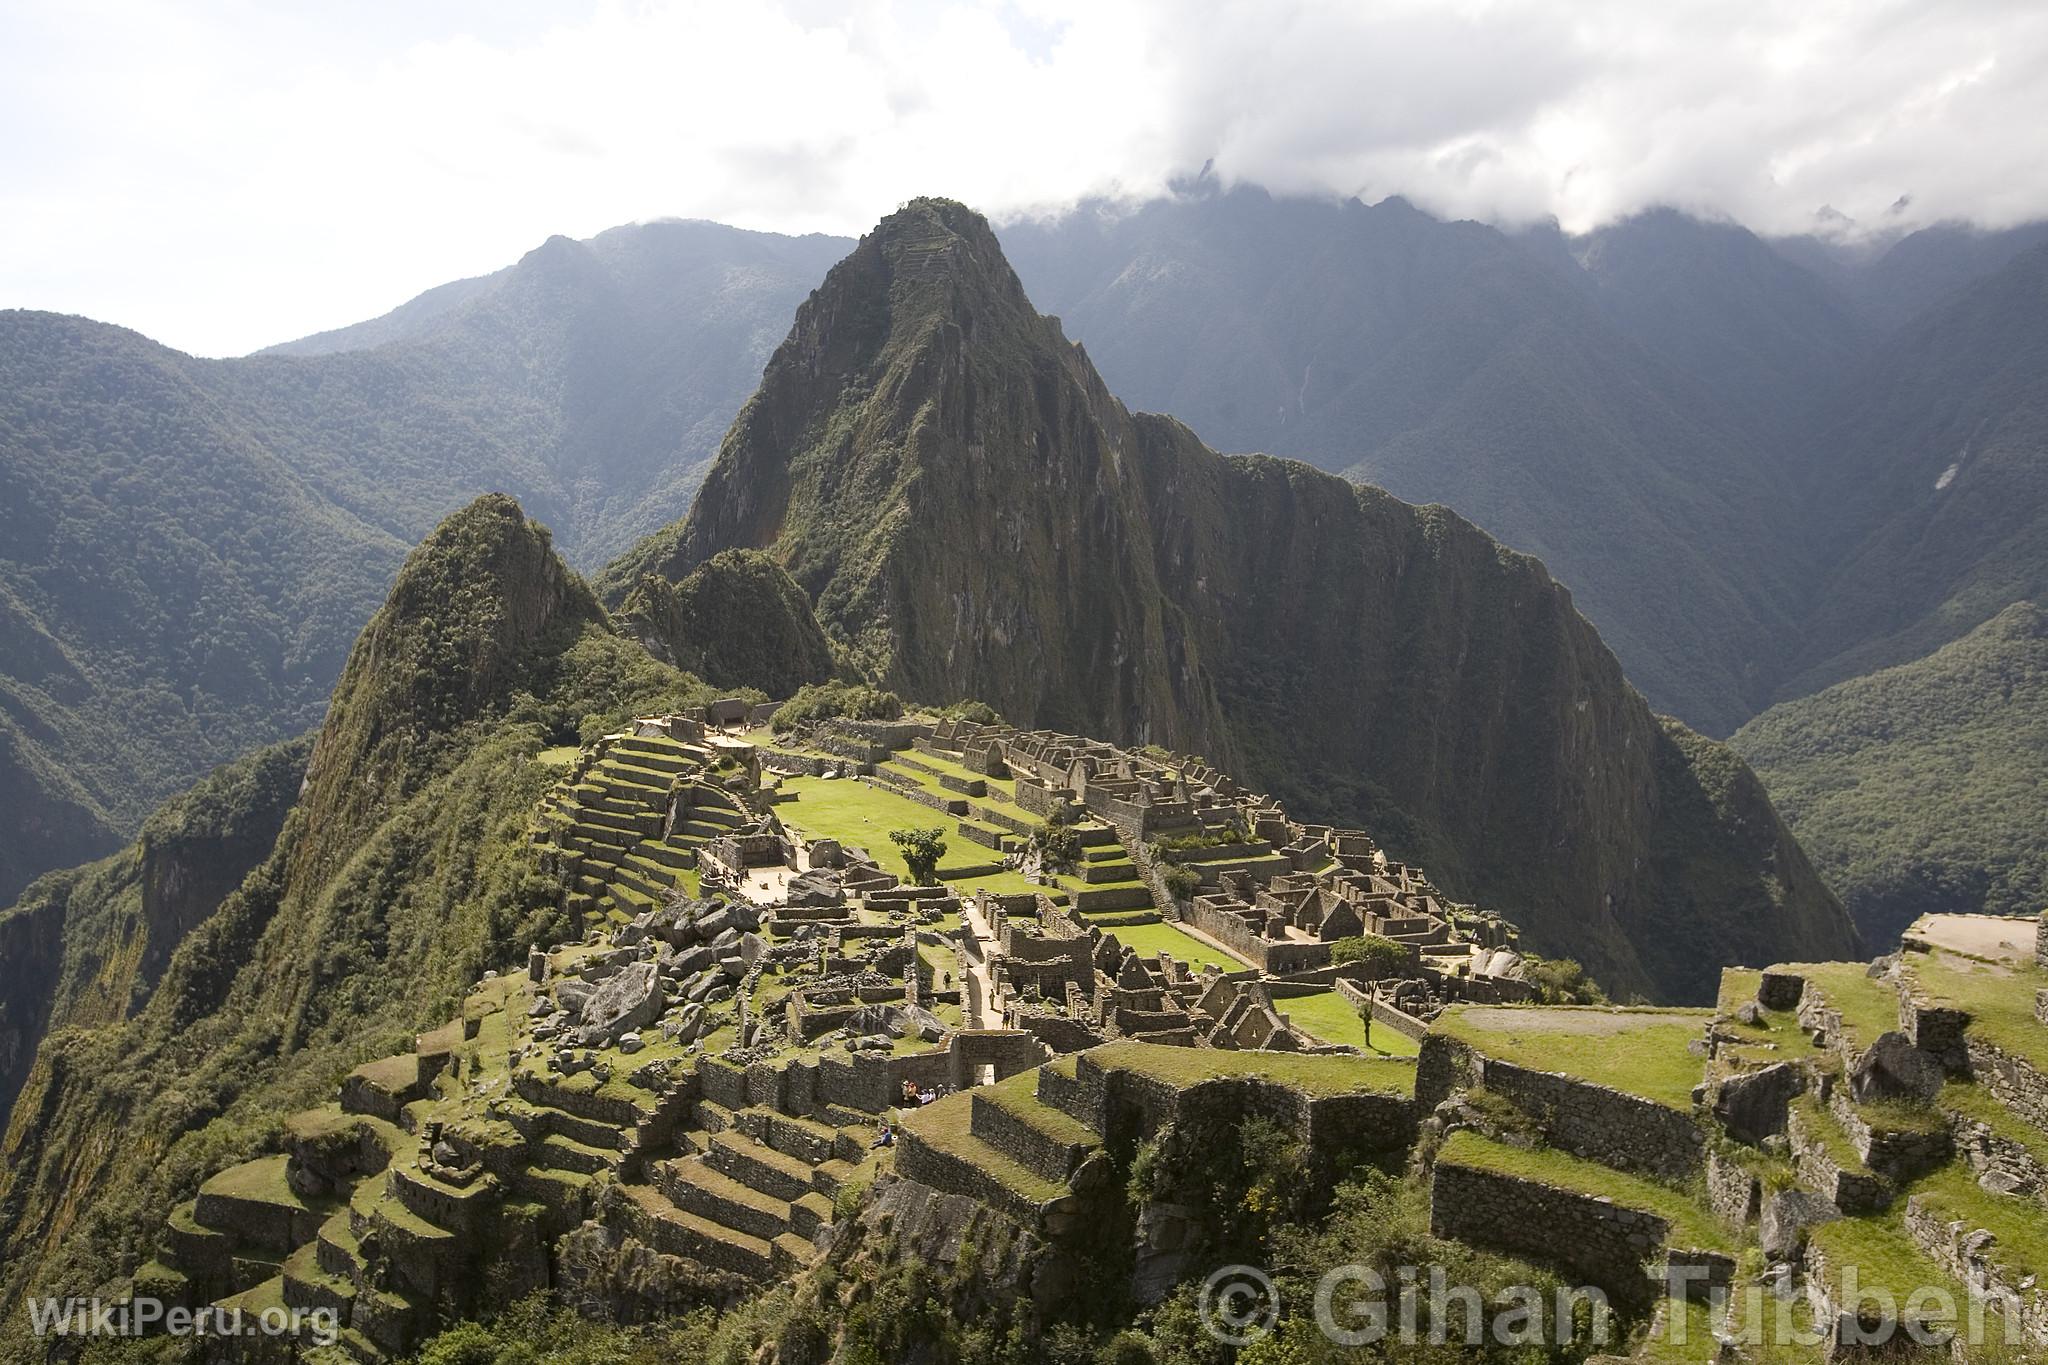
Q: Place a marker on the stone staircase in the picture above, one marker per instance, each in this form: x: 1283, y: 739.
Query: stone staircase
x: 609, y: 824
x: 751, y: 1191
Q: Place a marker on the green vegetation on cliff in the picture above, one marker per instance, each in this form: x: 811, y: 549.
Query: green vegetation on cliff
x: 735, y: 620
x: 188, y: 547
x: 402, y: 873
x: 87, y: 946
x: 1920, y: 789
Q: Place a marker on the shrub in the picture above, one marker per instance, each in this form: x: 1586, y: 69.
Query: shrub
x: 1183, y: 882
x: 828, y: 701
x: 1058, y: 846
x: 1379, y: 956
x: 1562, y: 981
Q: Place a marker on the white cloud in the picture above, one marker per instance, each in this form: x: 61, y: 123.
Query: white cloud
x: 225, y: 175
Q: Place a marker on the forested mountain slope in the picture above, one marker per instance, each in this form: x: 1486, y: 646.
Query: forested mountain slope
x: 188, y: 547
x: 401, y: 872
x: 1921, y: 788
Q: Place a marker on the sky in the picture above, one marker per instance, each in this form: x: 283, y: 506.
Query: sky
x: 225, y: 175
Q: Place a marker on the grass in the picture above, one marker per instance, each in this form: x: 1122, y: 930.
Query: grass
x: 1691, y: 1225
x: 1827, y: 1130
x: 262, y: 1181
x: 1975, y: 1102
x: 1333, y: 1074
x: 2000, y: 999
x: 561, y: 756
x: 2022, y: 1247
x: 1885, y: 1258
x: 946, y: 1125
x: 1018, y: 1095
x: 1149, y: 939
x: 1868, y: 1007
x: 1006, y: 785
x: 861, y: 816
x: 1646, y: 1055
x: 1332, y: 1018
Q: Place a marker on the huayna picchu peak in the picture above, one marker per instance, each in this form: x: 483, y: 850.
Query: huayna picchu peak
x: 971, y: 513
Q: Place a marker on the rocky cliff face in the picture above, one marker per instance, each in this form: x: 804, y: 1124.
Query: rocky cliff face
x: 736, y: 620
x: 87, y: 946
x: 973, y: 514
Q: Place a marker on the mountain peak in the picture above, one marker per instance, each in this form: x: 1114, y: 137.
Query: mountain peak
x: 474, y: 606
x: 971, y: 513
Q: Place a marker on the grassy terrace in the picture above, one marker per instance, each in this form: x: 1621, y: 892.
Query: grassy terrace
x: 861, y: 816
x: 262, y: 1181
x: 1330, y: 1017
x: 1777, y: 1036
x: 1007, y: 786
x: 2022, y: 1247
x: 1691, y: 1224
x: 1149, y: 939
x: 1018, y: 1095
x: 1883, y: 1255
x: 1827, y: 1130
x: 1868, y: 1007
x: 946, y: 1125
x: 1976, y: 1103
x: 1325, y: 1075
x: 1645, y: 1053
x: 1999, y: 998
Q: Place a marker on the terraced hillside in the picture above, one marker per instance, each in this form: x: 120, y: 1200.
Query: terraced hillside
x: 621, y: 853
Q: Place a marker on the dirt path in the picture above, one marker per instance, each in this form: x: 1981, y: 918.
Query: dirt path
x: 1989, y: 936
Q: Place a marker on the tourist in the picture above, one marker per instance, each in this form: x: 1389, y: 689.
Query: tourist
x: 886, y: 1138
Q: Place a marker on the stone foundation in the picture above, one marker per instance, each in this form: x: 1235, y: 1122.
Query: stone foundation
x: 1600, y: 1242
x: 1592, y: 1121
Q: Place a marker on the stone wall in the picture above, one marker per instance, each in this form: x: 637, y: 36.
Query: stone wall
x: 1733, y: 1191
x: 2009, y: 1165
x: 1279, y: 957
x: 1956, y: 1248
x: 1042, y: 801
x: 1897, y: 1154
x: 1128, y: 1108
x: 1619, y: 1130
x: 2013, y: 1081
x: 1936, y: 1030
x: 811, y: 765
x: 1852, y: 1191
x: 1393, y: 1017
x: 955, y: 806
x: 1057, y: 1031
x: 1600, y: 1242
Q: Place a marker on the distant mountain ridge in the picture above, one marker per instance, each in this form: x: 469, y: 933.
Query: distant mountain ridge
x: 1666, y: 411
x: 974, y: 515
x: 188, y: 547
x: 1917, y: 789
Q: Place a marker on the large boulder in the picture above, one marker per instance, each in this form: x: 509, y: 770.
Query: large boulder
x: 1752, y: 1105
x: 630, y: 1001
x: 1786, y: 1217
x: 1892, y: 1068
